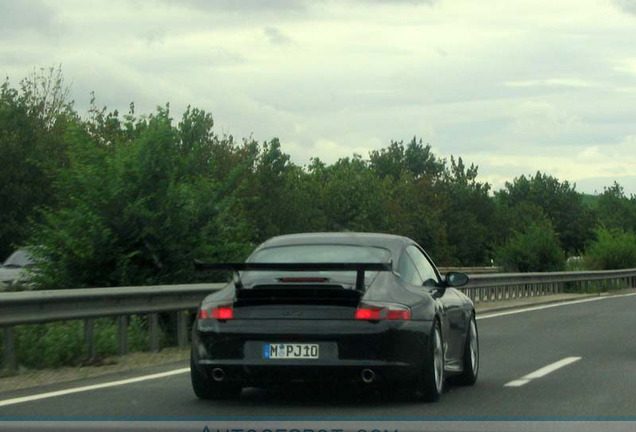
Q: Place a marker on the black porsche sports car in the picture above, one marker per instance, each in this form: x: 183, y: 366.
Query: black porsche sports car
x: 342, y: 307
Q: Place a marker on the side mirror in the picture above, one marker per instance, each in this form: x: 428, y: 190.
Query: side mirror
x: 455, y: 279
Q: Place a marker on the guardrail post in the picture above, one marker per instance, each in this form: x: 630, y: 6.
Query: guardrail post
x: 8, y: 349
x: 122, y: 335
x: 182, y: 329
x: 89, y: 337
x: 153, y: 332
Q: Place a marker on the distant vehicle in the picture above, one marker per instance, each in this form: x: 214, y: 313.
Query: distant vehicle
x: 12, y: 269
x: 368, y: 309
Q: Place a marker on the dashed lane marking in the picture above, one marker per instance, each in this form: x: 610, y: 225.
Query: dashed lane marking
x: 539, y: 373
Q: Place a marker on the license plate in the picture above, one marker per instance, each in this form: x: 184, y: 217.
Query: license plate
x: 290, y: 351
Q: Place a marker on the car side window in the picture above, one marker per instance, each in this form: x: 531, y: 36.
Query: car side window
x: 424, y: 266
x: 407, y: 270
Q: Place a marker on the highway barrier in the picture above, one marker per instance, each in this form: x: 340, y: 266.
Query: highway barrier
x: 32, y: 307
x: 471, y: 270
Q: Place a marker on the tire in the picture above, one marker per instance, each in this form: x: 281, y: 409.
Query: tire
x: 471, y: 355
x: 204, y: 388
x: 431, y: 382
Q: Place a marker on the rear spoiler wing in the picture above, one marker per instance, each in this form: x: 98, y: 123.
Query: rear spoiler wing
x: 359, y: 268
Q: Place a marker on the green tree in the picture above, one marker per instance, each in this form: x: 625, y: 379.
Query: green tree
x: 33, y: 121
x: 561, y: 203
x: 137, y: 211
x: 536, y: 249
x: 352, y: 197
x: 416, y: 159
x: 615, y: 210
x: 469, y: 214
x: 413, y: 204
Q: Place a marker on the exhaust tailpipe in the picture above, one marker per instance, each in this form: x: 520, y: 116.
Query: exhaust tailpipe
x: 218, y: 374
x: 367, y: 375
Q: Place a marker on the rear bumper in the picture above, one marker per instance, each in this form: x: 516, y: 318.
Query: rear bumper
x: 394, y: 351
x: 255, y: 375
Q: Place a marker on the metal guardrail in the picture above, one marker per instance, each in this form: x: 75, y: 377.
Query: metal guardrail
x: 32, y: 307
x: 506, y: 286
x: 471, y: 270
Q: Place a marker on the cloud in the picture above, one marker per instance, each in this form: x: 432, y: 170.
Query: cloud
x: 276, y: 37
x: 541, y: 118
x: 247, y: 6
x: 538, y: 85
x: 628, y: 6
x: 17, y: 16
x: 553, y: 82
x: 398, y: 2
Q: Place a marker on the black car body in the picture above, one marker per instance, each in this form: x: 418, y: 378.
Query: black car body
x: 384, y: 316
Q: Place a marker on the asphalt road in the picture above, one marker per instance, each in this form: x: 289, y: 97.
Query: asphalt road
x: 568, y: 360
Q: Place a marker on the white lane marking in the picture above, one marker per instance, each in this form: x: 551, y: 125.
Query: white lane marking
x: 517, y: 383
x: 552, y: 305
x: 92, y: 387
x: 542, y: 372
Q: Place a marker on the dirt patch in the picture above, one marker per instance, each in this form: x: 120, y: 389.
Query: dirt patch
x: 26, y: 378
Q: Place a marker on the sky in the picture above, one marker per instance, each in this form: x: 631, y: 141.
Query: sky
x: 514, y: 86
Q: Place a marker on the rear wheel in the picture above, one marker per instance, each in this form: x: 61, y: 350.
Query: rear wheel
x: 431, y: 381
x: 205, y: 388
x: 471, y: 355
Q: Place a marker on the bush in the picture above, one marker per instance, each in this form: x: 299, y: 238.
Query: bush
x: 58, y: 344
x: 534, y: 250
x: 612, y: 249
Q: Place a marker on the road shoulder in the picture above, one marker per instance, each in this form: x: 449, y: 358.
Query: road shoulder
x: 133, y: 362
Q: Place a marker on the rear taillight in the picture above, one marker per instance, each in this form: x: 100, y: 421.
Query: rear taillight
x: 404, y: 315
x: 368, y: 314
x: 216, y: 312
x: 381, y: 312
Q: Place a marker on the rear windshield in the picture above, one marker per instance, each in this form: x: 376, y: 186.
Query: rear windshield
x: 321, y: 254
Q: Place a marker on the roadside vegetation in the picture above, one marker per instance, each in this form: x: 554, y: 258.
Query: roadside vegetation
x: 62, y: 343
x: 612, y: 249
x: 112, y: 199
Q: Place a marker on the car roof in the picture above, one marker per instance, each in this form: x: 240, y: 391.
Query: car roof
x: 20, y: 257
x: 392, y: 242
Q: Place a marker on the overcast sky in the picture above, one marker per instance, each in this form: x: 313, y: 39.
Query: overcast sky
x: 513, y: 86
